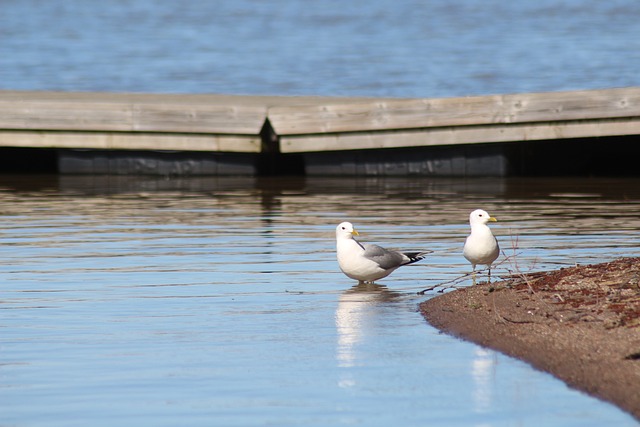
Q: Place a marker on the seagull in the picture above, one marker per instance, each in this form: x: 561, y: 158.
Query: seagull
x: 481, y: 247
x: 365, y: 262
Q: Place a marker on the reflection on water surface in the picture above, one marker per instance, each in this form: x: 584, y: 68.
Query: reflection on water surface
x: 219, y: 300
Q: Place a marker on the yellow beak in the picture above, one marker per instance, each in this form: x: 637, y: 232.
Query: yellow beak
x: 492, y: 219
x: 355, y: 233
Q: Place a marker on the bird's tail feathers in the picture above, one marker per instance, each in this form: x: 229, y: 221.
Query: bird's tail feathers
x: 415, y: 256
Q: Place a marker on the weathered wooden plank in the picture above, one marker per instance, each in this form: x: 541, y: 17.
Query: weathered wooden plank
x: 380, y: 115
x: 138, y: 98
x: 116, y: 116
x: 217, y: 114
x: 131, y: 141
x: 453, y: 135
x: 198, y: 118
x: 232, y: 123
x: 172, y: 98
x: 48, y: 115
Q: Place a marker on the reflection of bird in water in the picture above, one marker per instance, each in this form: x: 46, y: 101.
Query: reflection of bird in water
x: 482, y: 370
x: 481, y: 247
x: 366, y: 262
x: 355, y: 314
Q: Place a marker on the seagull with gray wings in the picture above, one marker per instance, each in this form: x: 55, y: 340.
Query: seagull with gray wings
x: 481, y: 247
x: 366, y: 262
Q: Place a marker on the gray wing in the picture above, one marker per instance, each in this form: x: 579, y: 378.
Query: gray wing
x: 384, y: 258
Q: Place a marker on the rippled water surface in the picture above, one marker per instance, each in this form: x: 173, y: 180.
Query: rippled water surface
x: 218, y: 301
x: 399, y: 48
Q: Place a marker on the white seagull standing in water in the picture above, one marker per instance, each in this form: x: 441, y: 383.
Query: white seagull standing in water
x: 366, y: 262
x: 481, y: 247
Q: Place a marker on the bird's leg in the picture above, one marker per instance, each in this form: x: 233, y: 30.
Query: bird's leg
x: 473, y: 276
x: 489, y: 274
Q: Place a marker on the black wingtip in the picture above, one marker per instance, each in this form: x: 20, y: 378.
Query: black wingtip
x: 416, y: 256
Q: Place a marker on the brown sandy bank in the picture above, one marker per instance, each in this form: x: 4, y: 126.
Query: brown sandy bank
x: 581, y: 324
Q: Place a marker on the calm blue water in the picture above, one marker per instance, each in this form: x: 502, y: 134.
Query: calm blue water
x: 400, y: 48
x: 218, y: 301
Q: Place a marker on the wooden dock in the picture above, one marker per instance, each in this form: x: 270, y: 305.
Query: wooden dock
x: 223, y: 134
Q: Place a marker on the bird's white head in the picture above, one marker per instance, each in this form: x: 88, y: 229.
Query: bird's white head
x: 480, y: 217
x: 345, y: 229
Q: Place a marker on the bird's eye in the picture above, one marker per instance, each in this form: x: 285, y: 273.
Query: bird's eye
x: 343, y: 228
x: 479, y: 214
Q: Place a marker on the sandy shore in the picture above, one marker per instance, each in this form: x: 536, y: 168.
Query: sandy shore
x: 581, y: 324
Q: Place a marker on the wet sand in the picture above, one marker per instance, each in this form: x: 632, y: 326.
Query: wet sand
x: 581, y: 324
